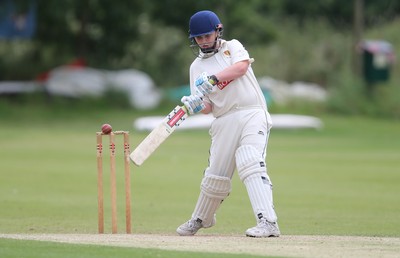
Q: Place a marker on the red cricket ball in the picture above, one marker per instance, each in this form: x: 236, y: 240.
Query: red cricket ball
x: 106, y: 128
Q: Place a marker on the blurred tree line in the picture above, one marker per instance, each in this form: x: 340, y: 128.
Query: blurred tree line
x: 152, y: 35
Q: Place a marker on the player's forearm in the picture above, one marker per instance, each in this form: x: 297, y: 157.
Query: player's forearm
x: 207, y: 109
x: 233, y: 72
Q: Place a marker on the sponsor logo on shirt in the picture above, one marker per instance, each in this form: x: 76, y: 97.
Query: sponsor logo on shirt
x: 222, y: 85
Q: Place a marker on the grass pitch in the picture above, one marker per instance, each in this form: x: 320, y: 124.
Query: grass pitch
x: 342, y: 180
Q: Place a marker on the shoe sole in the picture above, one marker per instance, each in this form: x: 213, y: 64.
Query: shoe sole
x: 262, y: 236
x: 185, y: 233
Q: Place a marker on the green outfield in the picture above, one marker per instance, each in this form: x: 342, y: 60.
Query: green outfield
x: 342, y: 180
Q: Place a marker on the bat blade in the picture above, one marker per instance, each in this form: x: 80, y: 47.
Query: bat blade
x: 158, y: 135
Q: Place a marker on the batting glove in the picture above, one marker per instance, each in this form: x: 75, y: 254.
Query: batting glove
x: 205, y: 84
x: 193, y: 104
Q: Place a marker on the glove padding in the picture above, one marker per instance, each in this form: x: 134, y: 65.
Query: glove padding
x: 193, y: 103
x: 204, y: 84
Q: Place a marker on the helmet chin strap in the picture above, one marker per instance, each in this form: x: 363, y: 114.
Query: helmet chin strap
x: 210, y: 51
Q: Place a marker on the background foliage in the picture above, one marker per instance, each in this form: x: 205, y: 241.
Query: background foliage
x: 292, y: 41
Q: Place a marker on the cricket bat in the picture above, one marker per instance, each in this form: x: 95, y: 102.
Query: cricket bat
x: 158, y: 135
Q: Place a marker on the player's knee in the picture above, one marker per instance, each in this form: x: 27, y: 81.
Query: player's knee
x: 216, y: 186
x: 249, y: 161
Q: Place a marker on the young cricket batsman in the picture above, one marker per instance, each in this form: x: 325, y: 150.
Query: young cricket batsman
x: 222, y: 82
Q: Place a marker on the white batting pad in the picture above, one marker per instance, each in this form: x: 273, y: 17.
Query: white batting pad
x: 249, y: 161
x: 214, y: 189
x: 253, y: 172
x: 259, y: 189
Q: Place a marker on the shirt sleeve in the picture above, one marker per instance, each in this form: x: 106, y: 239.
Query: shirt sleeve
x: 238, y: 52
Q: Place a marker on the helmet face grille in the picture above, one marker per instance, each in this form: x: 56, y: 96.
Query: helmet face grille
x: 205, y: 52
x: 203, y: 22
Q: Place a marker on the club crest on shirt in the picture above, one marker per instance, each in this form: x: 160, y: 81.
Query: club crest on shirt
x: 227, y: 53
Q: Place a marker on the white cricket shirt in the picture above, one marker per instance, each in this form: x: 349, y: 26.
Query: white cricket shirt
x: 243, y: 92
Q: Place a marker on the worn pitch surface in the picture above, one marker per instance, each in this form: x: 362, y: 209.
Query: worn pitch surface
x: 289, y: 246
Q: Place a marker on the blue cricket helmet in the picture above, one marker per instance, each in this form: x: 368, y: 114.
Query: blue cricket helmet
x: 203, y: 22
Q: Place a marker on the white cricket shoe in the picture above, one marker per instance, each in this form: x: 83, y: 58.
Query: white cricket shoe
x: 264, y: 228
x: 191, y: 227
